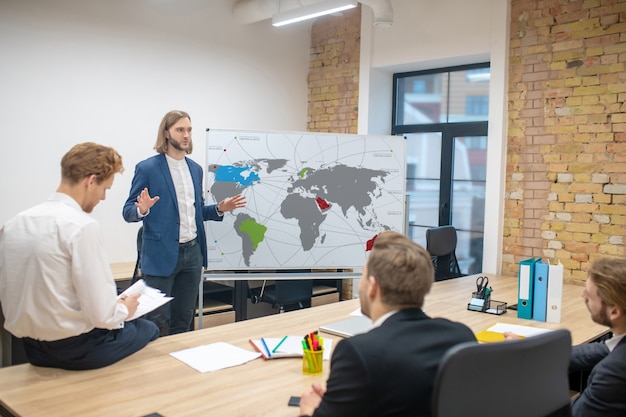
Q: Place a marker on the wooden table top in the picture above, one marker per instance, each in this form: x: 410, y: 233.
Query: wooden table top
x: 153, y: 381
x: 122, y: 271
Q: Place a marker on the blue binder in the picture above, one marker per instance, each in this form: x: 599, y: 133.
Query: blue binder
x: 525, y: 288
x: 540, y: 291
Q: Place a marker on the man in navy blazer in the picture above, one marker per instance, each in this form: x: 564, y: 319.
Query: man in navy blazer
x: 388, y: 371
x: 605, y: 296
x: 166, y: 194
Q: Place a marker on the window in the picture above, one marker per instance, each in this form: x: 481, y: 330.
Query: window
x: 449, y: 95
x: 443, y: 114
x: 477, y: 105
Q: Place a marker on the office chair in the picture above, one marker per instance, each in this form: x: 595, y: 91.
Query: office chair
x: 284, y: 293
x: 137, y: 275
x: 520, y: 378
x: 441, y: 244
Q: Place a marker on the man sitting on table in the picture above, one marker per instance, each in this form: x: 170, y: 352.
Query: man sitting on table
x: 56, y: 286
x: 388, y: 371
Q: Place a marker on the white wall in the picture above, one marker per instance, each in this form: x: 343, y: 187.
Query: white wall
x: 108, y: 70
x: 435, y: 34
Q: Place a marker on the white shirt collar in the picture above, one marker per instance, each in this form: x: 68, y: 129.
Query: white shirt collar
x: 65, y: 199
x: 175, y: 161
x: 384, y: 317
x: 612, y: 342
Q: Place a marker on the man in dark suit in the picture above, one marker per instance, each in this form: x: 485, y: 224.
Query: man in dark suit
x: 388, y: 371
x: 174, y: 248
x: 605, y: 296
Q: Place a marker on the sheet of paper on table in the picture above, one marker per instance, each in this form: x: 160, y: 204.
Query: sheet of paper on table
x: 214, y: 356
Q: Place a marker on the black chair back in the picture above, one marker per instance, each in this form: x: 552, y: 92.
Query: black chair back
x: 521, y: 378
x: 293, y: 291
x: 441, y: 244
x: 287, y: 292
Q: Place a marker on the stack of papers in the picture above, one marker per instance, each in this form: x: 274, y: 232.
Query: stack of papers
x: 150, y: 298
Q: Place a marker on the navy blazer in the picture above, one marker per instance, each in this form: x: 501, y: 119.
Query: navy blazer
x: 390, y: 370
x: 161, y: 229
x: 605, y: 394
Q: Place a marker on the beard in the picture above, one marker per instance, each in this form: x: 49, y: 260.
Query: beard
x: 176, y: 145
x: 364, y: 302
x: 601, y: 317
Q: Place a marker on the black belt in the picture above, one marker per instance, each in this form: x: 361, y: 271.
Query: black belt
x: 189, y: 244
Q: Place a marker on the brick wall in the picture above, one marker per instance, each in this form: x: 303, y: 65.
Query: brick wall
x: 334, y: 80
x: 566, y: 152
x: 334, y: 73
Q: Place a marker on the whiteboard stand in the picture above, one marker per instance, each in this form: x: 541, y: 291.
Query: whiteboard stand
x: 240, y: 280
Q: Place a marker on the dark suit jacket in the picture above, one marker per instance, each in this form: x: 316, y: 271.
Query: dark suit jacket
x: 161, y: 228
x: 389, y: 371
x: 605, y: 394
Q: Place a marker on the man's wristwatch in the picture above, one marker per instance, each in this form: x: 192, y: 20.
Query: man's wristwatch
x: 219, y: 212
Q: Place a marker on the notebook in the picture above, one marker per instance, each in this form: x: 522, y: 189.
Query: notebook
x: 348, y: 327
x: 277, y: 347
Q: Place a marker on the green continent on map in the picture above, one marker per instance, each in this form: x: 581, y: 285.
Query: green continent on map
x: 251, y: 233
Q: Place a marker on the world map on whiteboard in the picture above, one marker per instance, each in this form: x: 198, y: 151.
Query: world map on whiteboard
x: 313, y: 200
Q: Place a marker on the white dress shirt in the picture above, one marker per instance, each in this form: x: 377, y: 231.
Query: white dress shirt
x: 183, y: 184
x: 614, y: 341
x: 383, y: 318
x: 55, y: 281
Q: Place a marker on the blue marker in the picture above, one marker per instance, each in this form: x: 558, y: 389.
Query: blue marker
x: 266, y: 348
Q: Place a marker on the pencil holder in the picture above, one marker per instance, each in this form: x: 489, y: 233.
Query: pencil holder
x: 486, y: 306
x: 312, y: 362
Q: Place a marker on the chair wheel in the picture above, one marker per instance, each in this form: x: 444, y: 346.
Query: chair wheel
x: 255, y: 299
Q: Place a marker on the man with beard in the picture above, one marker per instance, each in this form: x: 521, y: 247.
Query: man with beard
x: 605, y: 297
x: 166, y: 195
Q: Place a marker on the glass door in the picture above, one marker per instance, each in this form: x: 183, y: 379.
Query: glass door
x: 446, y: 185
x: 468, y: 200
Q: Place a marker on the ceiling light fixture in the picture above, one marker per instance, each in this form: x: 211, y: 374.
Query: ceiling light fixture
x: 309, y: 12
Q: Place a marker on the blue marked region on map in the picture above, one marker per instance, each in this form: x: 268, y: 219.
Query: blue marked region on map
x: 241, y: 175
x: 314, y: 200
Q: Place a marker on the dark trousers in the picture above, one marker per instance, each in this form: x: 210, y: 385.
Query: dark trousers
x: 92, y: 350
x: 183, y: 286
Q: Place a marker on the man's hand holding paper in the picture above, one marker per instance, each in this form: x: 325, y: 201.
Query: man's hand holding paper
x: 148, y: 299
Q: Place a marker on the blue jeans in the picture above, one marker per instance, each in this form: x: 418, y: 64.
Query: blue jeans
x: 183, y: 286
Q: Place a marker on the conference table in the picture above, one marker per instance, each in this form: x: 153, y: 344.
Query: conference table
x: 152, y: 381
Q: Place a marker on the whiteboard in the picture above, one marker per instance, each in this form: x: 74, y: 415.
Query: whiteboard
x: 314, y: 200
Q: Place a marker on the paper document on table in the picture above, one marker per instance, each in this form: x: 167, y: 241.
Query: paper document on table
x: 150, y: 298
x: 215, y: 356
x: 525, y: 331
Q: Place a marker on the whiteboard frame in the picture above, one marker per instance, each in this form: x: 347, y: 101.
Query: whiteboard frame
x: 211, y: 148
